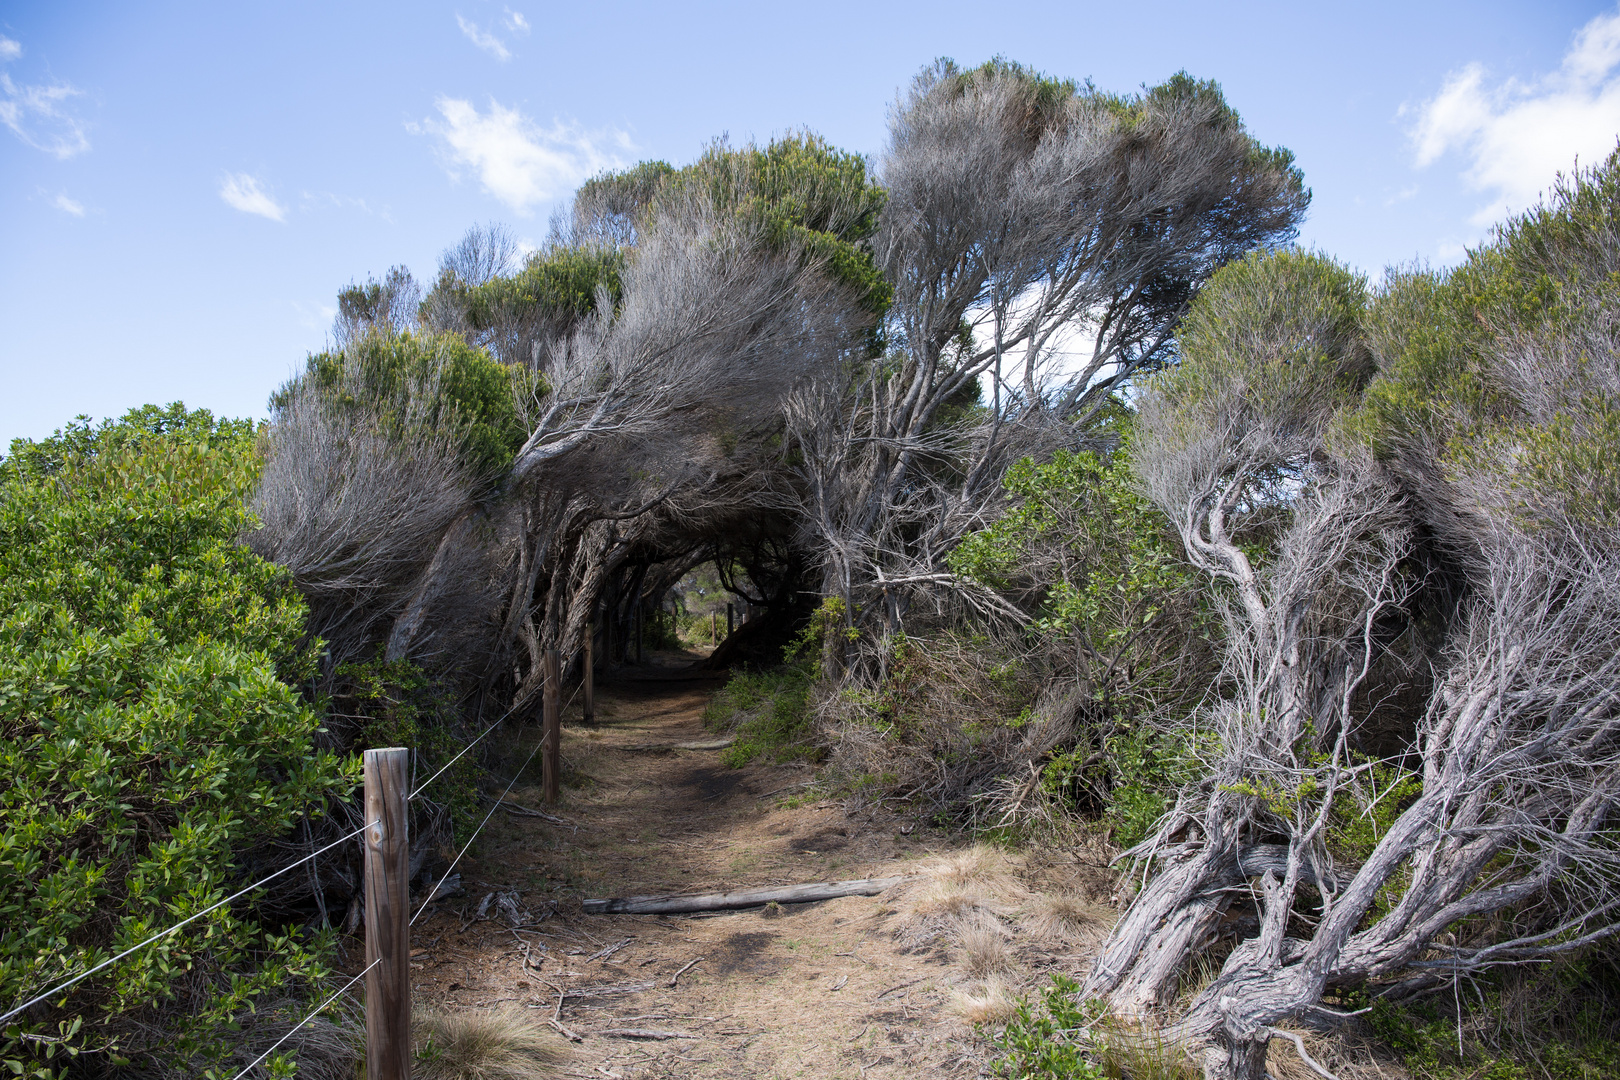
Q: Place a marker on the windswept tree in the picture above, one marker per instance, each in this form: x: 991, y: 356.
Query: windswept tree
x: 643, y: 383
x: 1470, y: 486
x: 1026, y: 217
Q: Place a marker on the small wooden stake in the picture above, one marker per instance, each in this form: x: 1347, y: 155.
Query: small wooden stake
x: 551, y: 732
x: 590, y: 674
x: 388, y: 915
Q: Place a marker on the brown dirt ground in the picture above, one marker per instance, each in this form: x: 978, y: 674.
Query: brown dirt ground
x: 841, y: 988
x: 864, y: 988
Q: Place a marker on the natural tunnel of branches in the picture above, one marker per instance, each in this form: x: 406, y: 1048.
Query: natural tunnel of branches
x: 1043, y: 394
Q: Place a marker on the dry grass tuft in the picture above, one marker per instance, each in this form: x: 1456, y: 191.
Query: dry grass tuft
x: 1146, y: 1055
x: 995, y: 1005
x: 1065, y: 919
x: 502, y: 1043
x: 952, y: 899
x: 958, y: 889
x: 982, y: 946
x: 981, y: 865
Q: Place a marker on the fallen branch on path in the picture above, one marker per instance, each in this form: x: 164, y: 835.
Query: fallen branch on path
x: 523, y: 811
x: 645, y: 1033
x: 603, y: 991
x: 902, y: 986
x: 571, y: 1036
x: 608, y: 951
x: 676, y: 977
x: 789, y: 894
x: 705, y: 744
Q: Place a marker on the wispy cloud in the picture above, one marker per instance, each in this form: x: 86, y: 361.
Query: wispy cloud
x: 515, y: 22
x: 314, y: 315
x: 67, y: 205
x: 484, y: 40
x: 244, y: 192
x: 516, y: 160
x: 37, y: 114
x: 1518, y: 134
x: 1401, y: 195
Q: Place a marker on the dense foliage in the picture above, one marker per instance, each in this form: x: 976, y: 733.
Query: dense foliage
x: 418, y: 386
x: 152, y: 740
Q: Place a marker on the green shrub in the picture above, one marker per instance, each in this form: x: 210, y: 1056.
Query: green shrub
x: 662, y: 630
x: 397, y: 703
x: 1557, y: 1021
x: 1047, y: 1039
x: 411, y: 384
x: 151, y: 737
x: 770, y: 710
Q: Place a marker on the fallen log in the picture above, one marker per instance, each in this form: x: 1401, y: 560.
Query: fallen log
x: 786, y: 894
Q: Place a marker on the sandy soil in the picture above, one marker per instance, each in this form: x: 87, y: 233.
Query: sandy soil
x: 860, y: 987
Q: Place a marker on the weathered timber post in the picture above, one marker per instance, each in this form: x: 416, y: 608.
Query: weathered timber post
x: 590, y: 674
x: 714, y: 619
x: 388, y: 915
x: 551, y: 729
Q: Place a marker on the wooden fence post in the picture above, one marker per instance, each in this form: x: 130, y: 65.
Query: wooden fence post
x: 590, y: 674
x: 551, y: 730
x: 388, y: 915
x: 714, y: 619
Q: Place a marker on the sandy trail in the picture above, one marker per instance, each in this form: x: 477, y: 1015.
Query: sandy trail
x: 818, y: 990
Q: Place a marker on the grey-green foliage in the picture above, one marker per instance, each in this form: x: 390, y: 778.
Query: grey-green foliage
x: 1467, y: 490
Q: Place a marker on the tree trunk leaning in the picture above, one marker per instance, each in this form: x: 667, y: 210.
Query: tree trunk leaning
x: 590, y: 673
x: 551, y: 731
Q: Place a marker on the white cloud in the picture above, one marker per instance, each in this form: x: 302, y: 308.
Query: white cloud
x: 515, y: 22
x: 516, y: 160
x: 1518, y: 134
x: 67, y: 205
x: 486, y: 41
x: 244, y: 193
x: 10, y: 50
x: 314, y: 315
x: 36, y: 115
x: 1401, y: 195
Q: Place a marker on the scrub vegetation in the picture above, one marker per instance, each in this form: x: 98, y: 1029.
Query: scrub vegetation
x: 1057, y: 498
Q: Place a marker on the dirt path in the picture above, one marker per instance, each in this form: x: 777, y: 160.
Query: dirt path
x: 860, y: 987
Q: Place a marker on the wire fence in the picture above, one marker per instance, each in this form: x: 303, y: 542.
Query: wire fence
x: 312, y: 1014
x: 419, y: 788
x: 433, y: 892
x: 160, y: 935
x: 416, y: 791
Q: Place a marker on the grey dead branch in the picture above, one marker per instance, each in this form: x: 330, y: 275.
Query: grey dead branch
x: 746, y: 898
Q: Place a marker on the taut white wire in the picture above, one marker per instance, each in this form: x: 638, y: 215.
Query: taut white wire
x: 254, y: 1064
x: 165, y: 933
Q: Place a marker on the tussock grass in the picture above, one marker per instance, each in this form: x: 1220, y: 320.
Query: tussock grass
x: 956, y: 891
x: 982, y: 945
x: 1064, y: 919
x: 994, y: 1004
x: 1145, y: 1055
x: 503, y: 1043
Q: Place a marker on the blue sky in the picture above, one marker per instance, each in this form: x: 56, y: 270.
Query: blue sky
x: 184, y: 186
